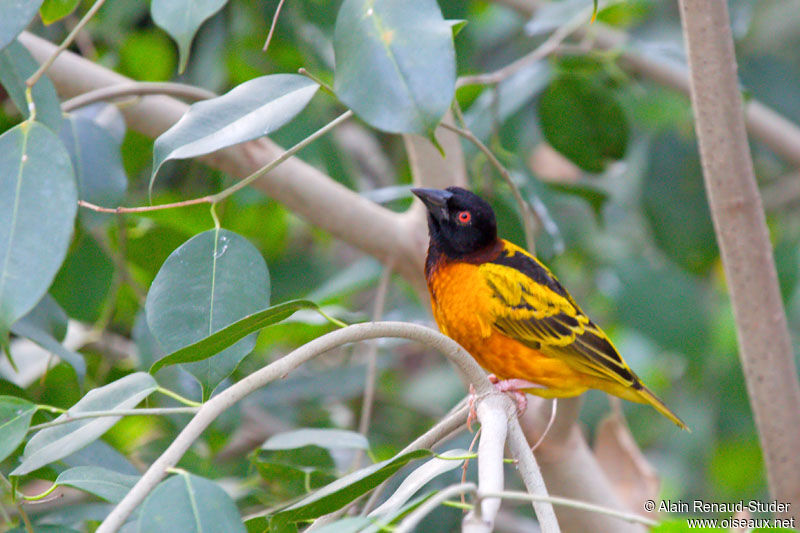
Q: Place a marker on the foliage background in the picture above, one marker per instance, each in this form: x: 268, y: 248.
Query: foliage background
x: 634, y: 242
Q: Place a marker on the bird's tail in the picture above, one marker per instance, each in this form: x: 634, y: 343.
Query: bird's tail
x: 645, y: 395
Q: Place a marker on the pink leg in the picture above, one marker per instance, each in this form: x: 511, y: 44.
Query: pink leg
x: 514, y: 386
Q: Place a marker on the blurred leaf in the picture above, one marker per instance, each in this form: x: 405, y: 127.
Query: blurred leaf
x: 150, y: 44
x: 211, y: 281
x: 55, y: 10
x: 339, y: 382
x: 417, y: 479
x: 675, y: 204
x: 15, y: 419
x: 596, y: 198
x: 736, y: 466
x: 97, y: 161
x: 106, y: 484
x: 379, y: 74
x: 323, y: 437
x: 625, y: 14
x: 101, y: 454
x: 181, y: 19
x: 17, y: 14
x: 186, y: 502
x: 38, y: 201
x: 225, y: 337
x: 582, y: 119
x: 787, y: 263
x: 346, y: 489
x: 285, y: 481
x: 666, y: 304
x: 51, y: 444
x: 251, y: 110
x: 87, y: 303
x: 16, y: 66
x: 46, y: 325
x: 553, y: 15
x: 350, y: 524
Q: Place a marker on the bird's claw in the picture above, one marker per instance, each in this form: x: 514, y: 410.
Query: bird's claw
x: 515, y: 386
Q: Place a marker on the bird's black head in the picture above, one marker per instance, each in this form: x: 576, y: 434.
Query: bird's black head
x: 459, y: 221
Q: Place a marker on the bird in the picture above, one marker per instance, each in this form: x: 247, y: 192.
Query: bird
x: 508, y: 310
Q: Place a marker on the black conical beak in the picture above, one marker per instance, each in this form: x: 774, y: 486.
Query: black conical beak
x: 435, y: 200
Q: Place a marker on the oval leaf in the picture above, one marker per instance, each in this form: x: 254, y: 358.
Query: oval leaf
x: 16, y: 65
x: 186, y: 502
x: 97, y: 161
x: 251, y: 110
x: 380, y: 72
x: 581, y: 119
x: 15, y: 419
x: 181, y: 19
x: 211, y: 281
x: 213, y: 344
x: 323, y: 437
x: 38, y: 201
x: 55, y: 10
x: 346, y: 489
x: 17, y: 14
x: 51, y: 444
x: 106, y: 484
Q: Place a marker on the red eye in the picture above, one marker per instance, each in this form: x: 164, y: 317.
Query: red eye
x: 464, y: 217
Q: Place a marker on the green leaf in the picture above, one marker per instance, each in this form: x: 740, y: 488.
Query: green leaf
x: 395, y: 63
x: 55, y: 10
x: 15, y: 419
x: 17, y: 14
x: 581, y: 119
x: 251, y: 110
x: 596, y: 198
x: 54, y: 443
x: 181, y: 19
x: 346, y: 489
x: 106, y: 484
x: 97, y: 161
x: 211, y: 281
x: 323, y: 437
x: 225, y: 337
x: 86, y: 255
x: 16, y: 66
x: 46, y: 325
x: 186, y: 502
x: 675, y: 204
x: 38, y: 201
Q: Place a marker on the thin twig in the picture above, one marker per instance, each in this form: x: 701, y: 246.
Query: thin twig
x: 525, y: 211
x: 63, y: 46
x: 547, y: 47
x: 372, y: 352
x: 568, y: 502
x: 272, y: 26
x: 71, y: 417
x: 216, y: 198
x: 138, y: 88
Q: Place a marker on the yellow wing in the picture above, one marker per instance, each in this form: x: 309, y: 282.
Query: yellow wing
x: 530, y: 306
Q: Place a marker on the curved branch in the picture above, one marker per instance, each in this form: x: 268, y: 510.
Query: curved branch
x: 233, y: 394
x: 137, y: 88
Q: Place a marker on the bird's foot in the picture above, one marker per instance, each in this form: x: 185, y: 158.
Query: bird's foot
x: 515, y: 386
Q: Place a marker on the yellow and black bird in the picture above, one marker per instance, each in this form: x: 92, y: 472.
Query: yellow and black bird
x: 511, y: 313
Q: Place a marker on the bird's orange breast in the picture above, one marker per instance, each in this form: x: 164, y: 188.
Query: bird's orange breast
x: 461, y: 302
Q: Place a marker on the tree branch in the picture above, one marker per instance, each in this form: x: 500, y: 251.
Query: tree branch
x: 233, y: 394
x: 765, y: 347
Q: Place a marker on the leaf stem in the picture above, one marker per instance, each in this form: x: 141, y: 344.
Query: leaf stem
x: 63, y: 46
x: 41, y: 496
x: 275, y: 23
x: 325, y: 87
x: 178, y: 397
